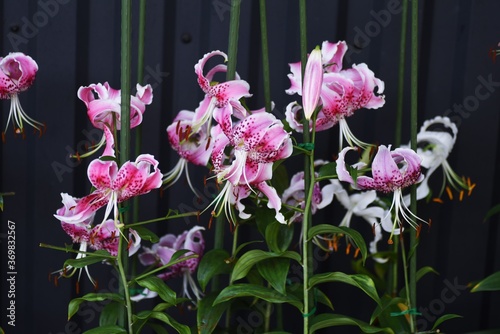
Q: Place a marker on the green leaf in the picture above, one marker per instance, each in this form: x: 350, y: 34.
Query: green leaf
x: 167, y: 319
x: 177, y: 255
x: 74, y: 304
x: 256, y: 291
x: 1, y: 205
x: 490, y: 283
x: 493, y: 211
x: 326, y: 320
x: 424, y: 271
x: 252, y: 257
x: 275, y: 271
x: 213, y: 263
x: 208, y: 315
x: 278, y: 236
x: 383, y: 314
x: 157, y: 285
x: 360, y: 281
x: 444, y: 318
x: 328, y: 171
x: 280, y: 178
x: 146, y: 234
x: 332, y: 229
x: 110, y: 329
x: 90, y: 258
x: 110, y: 313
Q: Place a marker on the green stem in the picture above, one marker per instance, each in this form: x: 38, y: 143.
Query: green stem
x: 265, y: 55
x: 393, y: 281
x: 401, y: 75
x: 140, y: 79
x: 69, y: 250
x: 308, y: 182
x: 413, y: 138
x: 125, y: 320
x: 122, y: 251
x: 180, y: 215
x: 232, y: 50
x: 125, y: 81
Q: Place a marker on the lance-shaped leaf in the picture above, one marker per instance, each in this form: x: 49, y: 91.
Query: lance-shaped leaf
x: 326, y: 320
x: 490, y: 283
x: 74, y: 304
x: 331, y: 229
x: 252, y: 257
x: 213, y: 263
x: 362, y: 282
x: 155, y: 284
x: 256, y: 291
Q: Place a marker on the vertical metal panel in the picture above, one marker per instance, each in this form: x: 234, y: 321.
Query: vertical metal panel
x: 77, y: 43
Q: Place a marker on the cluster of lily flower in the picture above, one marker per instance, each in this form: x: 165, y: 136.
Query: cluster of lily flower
x: 240, y: 147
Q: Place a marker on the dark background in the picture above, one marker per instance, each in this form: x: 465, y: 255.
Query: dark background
x: 76, y: 43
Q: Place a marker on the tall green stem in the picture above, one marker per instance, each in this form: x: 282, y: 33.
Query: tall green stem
x: 392, y: 286
x: 413, y: 137
x: 308, y: 182
x: 125, y: 81
x: 124, y: 150
x: 265, y: 55
x: 232, y: 50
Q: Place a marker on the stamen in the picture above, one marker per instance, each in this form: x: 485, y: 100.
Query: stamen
x: 356, y: 253
x: 437, y: 200
x: 449, y: 192
x: 461, y: 196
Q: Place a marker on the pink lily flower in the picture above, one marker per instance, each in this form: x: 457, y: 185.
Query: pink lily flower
x: 17, y: 73
x: 161, y: 253
x: 313, y: 80
x: 221, y: 99
x: 392, y: 171
x: 342, y: 92
x: 105, y: 236
x: 194, y: 148
x: 257, y: 141
x: 114, y: 185
x: 104, y: 107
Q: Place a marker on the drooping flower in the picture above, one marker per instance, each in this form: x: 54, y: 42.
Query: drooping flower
x: 342, y: 92
x: 114, y: 185
x: 104, y: 107
x: 221, y: 99
x: 106, y: 236
x: 436, y: 140
x: 294, y: 195
x: 194, y: 148
x: 161, y: 253
x: 392, y: 171
x: 256, y: 141
x: 17, y: 73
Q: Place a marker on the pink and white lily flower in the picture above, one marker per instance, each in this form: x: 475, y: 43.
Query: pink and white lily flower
x: 221, y: 99
x: 257, y: 142
x: 342, y: 91
x: 114, y: 185
x: 392, y: 171
x: 105, y: 236
x: 104, y: 107
x: 17, y: 73
x: 161, y: 253
x: 194, y: 148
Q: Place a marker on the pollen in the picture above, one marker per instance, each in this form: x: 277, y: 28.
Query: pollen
x: 437, y: 200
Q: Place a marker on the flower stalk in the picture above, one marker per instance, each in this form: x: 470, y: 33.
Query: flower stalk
x: 125, y: 320
x: 413, y: 140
